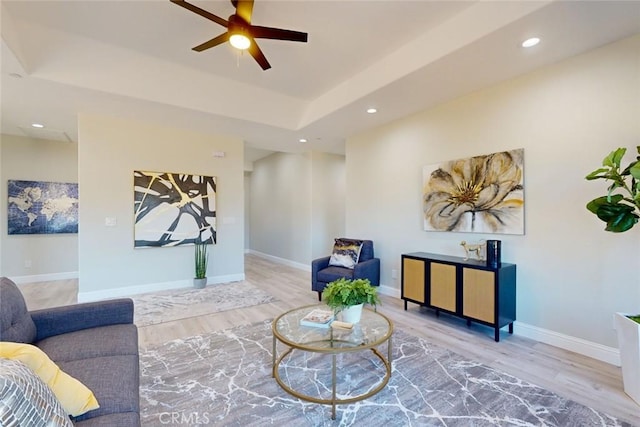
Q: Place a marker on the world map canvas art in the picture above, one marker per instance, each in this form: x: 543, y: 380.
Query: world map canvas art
x: 40, y: 207
x: 482, y: 194
x: 173, y: 209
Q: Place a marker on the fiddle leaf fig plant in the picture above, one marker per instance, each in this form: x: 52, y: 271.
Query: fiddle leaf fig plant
x: 620, y: 208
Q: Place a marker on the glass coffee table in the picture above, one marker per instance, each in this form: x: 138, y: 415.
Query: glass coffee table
x: 373, y: 330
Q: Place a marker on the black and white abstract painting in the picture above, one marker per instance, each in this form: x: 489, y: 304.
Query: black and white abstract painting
x: 173, y: 209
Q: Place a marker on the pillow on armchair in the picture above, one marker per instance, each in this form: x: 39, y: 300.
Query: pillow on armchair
x: 346, y: 253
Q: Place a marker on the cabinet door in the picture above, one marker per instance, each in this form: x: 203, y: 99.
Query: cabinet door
x: 413, y: 279
x: 478, y: 294
x: 443, y: 286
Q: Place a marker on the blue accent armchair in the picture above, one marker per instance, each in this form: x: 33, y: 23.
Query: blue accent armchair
x: 367, y: 267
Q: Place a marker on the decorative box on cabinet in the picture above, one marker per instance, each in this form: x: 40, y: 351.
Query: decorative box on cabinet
x: 470, y: 289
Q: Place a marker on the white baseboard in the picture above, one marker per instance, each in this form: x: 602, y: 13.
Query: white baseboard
x: 384, y: 290
x: 389, y: 291
x: 596, y: 351
x: 279, y: 260
x: 21, y: 280
x: 128, y: 291
x: 600, y: 352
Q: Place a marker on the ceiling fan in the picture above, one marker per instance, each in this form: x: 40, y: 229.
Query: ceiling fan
x: 240, y: 33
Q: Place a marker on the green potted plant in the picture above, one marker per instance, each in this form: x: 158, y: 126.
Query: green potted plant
x: 620, y: 210
x: 201, y: 263
x: 348, y: 297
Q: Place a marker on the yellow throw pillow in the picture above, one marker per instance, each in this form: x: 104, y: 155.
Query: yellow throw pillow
x: 74, y: 396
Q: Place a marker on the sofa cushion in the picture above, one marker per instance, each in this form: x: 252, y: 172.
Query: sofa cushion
x: 329, y: 274
x: 95, y: 342
x: 346, y: 253
x: 15, y: 321
x: 115, y: 380
x: 75, y: 398
x: 25, y: 400
x: 123, y: 419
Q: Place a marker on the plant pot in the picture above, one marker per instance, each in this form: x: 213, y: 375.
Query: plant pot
x: 200, y: 283
x: 629, y: 344
x: 352, y: 314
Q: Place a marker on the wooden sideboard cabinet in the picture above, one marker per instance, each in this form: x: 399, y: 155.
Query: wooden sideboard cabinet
x: 470, y: 289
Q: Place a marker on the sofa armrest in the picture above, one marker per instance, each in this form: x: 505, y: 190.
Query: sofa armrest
x: 319, y: 264
x: 369, y: 269
x: 71, y: 318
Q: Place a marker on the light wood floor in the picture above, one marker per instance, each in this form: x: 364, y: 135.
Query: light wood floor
x: 582, y: 379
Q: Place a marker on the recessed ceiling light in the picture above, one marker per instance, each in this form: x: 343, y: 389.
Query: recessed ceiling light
x: 531, y: 42
x: 37, y: 125
x: 302, y: 140
x: 371, y: 110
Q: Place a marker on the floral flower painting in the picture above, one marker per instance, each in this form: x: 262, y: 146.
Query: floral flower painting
x: 482, y: 194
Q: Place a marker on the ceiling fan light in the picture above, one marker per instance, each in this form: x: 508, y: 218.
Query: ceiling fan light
x: 240, y: 41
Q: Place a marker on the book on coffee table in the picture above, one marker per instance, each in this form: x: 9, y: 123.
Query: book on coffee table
x: 318, y: 318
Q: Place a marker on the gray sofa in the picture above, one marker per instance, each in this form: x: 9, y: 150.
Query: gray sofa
x: 96, y: 343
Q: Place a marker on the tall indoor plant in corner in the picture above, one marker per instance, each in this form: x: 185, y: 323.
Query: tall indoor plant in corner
x: 201, y: 262
x: 620, y: 210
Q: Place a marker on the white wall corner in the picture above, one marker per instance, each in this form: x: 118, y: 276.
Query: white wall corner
x: 597, y: 351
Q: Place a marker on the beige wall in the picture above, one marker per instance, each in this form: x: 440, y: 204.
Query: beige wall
x: 3, y: 196
x: 281, y: 206
x: 51, y: 255
x: 297, y: 205
x: 571, y: 275
x: 247, y: 210
x: 110, y: 150
x: 328, y: 190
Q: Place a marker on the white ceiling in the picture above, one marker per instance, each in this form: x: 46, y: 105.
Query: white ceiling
x: 133, y: 59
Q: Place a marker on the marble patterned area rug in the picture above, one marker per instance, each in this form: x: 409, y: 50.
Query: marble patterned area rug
x: 176, y: 304
x: 224, y: 379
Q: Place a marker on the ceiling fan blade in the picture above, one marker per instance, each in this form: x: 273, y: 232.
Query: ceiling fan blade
x: 277, y: 34
x: 201, y: 12
x: 257, y: 54
x: 244, y: 8
x: 213, y: 42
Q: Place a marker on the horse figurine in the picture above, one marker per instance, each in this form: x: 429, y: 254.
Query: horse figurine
x: 479, y: 249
